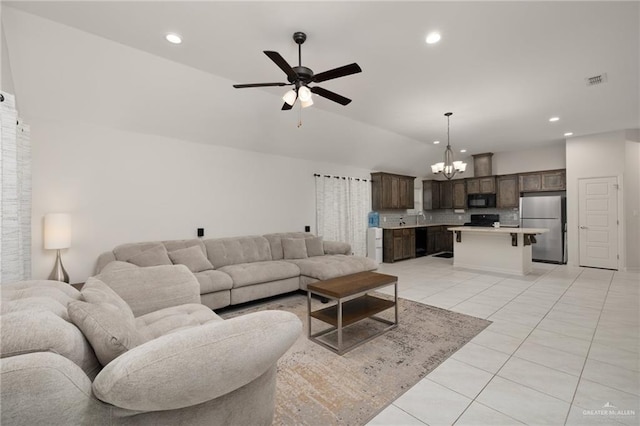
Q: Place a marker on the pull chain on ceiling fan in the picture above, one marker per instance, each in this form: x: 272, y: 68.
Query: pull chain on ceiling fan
x: 300, y: 77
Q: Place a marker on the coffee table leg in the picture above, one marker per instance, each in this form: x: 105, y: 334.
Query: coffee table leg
x: 340, y: 326
x: 395, y: 287
x: 309, y: 311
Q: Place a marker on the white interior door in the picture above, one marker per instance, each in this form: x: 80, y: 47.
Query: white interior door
x: 598, y: 233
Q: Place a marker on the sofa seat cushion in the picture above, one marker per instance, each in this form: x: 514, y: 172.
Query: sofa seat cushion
x: 260, y: 272
x: 175, y: 318
x: 212, y: 281
x: 332, y: 266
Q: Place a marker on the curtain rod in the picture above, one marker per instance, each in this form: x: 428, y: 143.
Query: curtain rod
x: 341, y: 177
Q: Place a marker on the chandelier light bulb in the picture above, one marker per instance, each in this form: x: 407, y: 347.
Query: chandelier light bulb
x: 304, y: 93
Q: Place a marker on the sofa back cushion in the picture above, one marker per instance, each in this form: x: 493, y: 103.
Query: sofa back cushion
x: 124, y: 252
x: 154, y: 256
x: 275, y: 242
x: 150, y: 289
x: 232, y: 251
x: 35, y: 319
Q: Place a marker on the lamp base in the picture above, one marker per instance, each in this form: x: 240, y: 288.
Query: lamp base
x: 59, y: 273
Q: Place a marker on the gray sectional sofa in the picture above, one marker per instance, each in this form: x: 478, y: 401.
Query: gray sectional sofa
x: 136, y: 346
x: 241, y: 269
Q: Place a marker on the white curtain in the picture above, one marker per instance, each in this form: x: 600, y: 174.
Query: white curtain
x: 15, y: 195
x: 342, y: 206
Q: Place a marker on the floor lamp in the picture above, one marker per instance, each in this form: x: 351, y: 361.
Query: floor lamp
x: 57, y: 236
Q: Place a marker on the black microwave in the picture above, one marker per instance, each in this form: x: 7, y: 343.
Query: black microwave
x: 481, y: 200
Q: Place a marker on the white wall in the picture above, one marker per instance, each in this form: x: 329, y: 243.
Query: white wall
x: 6, y: 79
x: 548, y: 157
x: 632, y: 200
x: 123, y: 187
x: 598, y: 155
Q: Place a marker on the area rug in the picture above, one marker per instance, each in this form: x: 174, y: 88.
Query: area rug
x: 318, y: 387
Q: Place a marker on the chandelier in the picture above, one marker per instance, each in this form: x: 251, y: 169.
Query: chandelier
x: 448, y: 168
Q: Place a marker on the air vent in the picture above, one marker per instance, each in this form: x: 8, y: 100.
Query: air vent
x: 596, y: 79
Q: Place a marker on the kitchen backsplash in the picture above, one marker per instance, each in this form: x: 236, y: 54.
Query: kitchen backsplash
x: 449, y: 217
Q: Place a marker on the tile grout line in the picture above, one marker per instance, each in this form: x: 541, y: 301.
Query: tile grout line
x: 586, y: 358
x: 510, y: 356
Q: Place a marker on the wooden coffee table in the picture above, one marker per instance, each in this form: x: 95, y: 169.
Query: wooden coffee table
x: 353, y: 304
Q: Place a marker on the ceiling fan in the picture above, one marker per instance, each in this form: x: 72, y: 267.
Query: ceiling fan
x: 300, y: 77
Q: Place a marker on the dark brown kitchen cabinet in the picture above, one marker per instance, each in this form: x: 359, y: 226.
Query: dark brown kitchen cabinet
x: 439, y: 239
x: 446, y: 194
x: 508, y: 191
x: 443, y: 194
x: 483, y: 185
x: 430, y: 195
x: 548, y: 180
x: 391, y: 192
x: 398, y: 244
x: 459, y: 194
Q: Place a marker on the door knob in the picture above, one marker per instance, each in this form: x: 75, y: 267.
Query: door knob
x: 583, y: 227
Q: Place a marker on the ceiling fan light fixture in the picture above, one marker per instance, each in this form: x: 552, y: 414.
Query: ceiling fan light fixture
x: 304, y: 93
x: 307, y: 103
x: 290, y: 97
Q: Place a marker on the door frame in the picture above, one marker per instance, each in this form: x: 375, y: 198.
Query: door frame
x: 619, y: 215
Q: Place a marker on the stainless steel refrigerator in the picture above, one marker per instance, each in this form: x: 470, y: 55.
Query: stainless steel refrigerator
x: 546, y: 212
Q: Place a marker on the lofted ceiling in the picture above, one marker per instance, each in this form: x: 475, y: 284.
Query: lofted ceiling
x: 502, y: 68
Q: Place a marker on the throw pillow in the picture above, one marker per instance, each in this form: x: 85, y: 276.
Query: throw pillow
x: 95, y: 291
x: 108, y: 331
x: 294, y: 248
x: 314, y: 246
x: 152, y: 257
x: 192, y: 257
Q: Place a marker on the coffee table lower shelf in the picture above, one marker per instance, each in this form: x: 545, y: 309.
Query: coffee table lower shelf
x: 343, y: 314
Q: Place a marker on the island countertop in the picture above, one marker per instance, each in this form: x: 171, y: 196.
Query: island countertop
x: 424, y: 225
x: 499, y: 230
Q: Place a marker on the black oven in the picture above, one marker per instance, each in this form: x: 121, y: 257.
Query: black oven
x: 481, y: 200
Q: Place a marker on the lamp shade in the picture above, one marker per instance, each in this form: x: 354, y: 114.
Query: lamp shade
x: 57, y: 231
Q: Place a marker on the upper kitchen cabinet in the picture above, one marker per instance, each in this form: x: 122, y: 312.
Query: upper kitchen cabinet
x: 459, y: 194
x: 508, y: 193
x: 548, y: 180
x: 482, y: 185
x: 391, y: 192
x: 483, y: 164
x: 444, y: 194
x: 430, y: 195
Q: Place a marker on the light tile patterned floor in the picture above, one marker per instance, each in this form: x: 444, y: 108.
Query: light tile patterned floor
x: 564, y: 347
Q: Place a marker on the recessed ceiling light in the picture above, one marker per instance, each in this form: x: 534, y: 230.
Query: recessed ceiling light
x: 173, y: 38
x: 552, y: 119
x: 463, y: 150
x: 569, y: 134
x: 436, y: 142
x: 433, y: 38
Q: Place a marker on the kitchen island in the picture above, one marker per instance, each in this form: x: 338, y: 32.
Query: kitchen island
x: 504, y: 250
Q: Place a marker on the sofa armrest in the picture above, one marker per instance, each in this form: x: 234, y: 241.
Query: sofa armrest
x: 336, y: 247
x: 104, y: 259
x: 47, y: 388
x: 152, y: 288
x: 198, y: 364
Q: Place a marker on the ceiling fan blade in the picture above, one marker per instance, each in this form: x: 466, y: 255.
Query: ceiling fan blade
x: 284, y: 65
x: 286, y: 107
x: 244, y: 86
x: 337, y: 72
x: 330, y: 95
